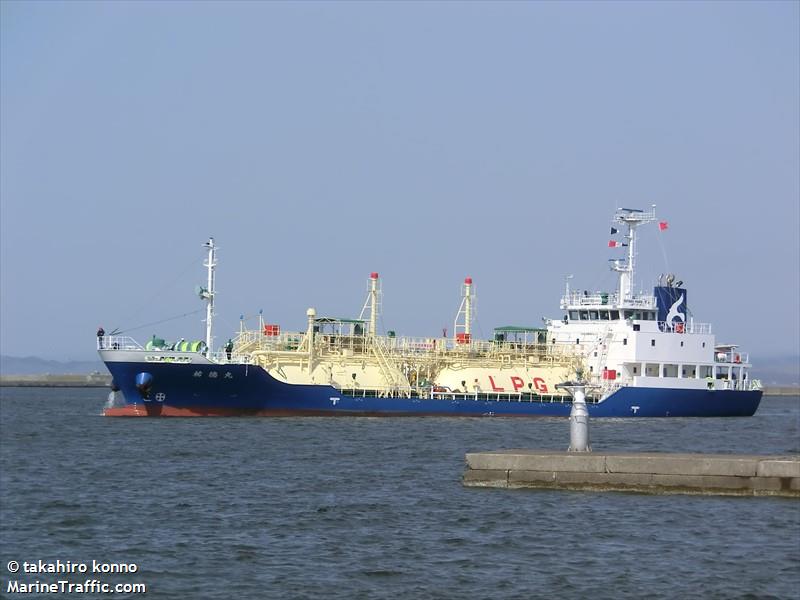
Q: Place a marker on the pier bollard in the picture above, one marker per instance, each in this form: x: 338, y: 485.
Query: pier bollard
x: 578, y: 417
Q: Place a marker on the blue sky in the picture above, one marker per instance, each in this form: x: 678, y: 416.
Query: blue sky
x: 427, y: 141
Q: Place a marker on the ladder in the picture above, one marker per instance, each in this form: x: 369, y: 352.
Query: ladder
x: 390, y: 375
x: 603, y: 342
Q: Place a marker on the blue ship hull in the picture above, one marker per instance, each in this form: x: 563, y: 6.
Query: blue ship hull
x: 209, y: 390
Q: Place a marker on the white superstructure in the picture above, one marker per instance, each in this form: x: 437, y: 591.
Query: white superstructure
x: 644, y: 340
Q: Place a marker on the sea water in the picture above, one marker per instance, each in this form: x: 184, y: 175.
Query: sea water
x: 372, y: 508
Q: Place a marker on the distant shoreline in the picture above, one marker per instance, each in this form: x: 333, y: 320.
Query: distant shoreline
x: 95, y: 380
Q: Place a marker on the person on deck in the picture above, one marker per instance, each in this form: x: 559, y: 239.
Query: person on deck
x: 100, y: 334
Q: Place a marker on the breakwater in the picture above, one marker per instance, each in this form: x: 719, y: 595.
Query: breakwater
x: 56, y: 380
x: 644, y: 472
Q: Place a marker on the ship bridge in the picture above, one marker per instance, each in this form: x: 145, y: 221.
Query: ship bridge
x: 603, y: 306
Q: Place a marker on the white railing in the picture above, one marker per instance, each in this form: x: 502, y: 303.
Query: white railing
x: 475, y: 348
x: 690, y: 327
x: 606, y: 387
x: 118, y: 342
x: 699, y: 327
x: 253, y: 341
x: 737, y: 384
x: 444, y: 393
x: 250, y: 341
x: 222, y: 357
x: 732, y: 357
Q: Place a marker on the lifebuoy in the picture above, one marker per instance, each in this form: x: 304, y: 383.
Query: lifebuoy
x: 679, y: 328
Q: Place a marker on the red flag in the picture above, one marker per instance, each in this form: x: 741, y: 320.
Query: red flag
x: 612, y: 244
x: 662, y: 225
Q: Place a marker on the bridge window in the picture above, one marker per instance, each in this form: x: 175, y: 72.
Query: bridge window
x: 584, y: 315
x: 573, y: 315
x: 593, y: 315
x: 615, y: 315
x: 604, y: 315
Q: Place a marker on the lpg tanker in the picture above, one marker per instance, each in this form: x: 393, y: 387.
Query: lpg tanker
x: 639, y: 354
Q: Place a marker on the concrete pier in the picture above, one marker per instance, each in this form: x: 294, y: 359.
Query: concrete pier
x: 643, y: 472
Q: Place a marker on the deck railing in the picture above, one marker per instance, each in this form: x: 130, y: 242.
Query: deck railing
x: 118, y: 342
x: 440, y: 393
x: 253, y: 341
x: 732, y: 357
x: 690, y: 327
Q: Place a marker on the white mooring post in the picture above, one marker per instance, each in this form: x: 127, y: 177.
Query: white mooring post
x: 578, y: 417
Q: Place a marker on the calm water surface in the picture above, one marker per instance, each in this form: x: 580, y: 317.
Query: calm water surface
x: 374, y: 508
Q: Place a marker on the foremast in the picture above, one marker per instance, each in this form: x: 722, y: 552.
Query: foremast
x: 209, y: 292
